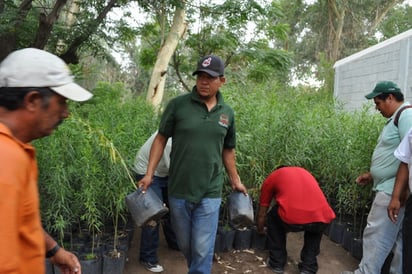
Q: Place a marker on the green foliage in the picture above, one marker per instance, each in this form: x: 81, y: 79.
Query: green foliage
x: 84, y: 166
x: 223, y: 30
x: 278, y: 125
x: 338, y: 28
x: 397, y: 21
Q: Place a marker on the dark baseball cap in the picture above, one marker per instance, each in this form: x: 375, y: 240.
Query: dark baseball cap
x: 212, y: 65
x: 383, y: 87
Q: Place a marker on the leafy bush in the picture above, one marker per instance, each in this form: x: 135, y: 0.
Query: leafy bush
x: 84, y: 166
x: 278, y: 126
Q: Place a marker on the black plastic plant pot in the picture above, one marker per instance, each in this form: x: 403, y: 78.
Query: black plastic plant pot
x: 357, y: 250
x: 228, y: 237
x: 258, y: 240
x: 219, y: 243
x: 49, y: 267
x: 242, y: 239
x: 336, y: 232
x: 113, y: 263
x: 347, y: 240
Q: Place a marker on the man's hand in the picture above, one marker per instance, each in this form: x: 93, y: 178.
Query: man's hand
x: 144, y: 183
x: 364, y: 178
x: 237, y: 184
x: 393, y: 209
x: 66, y: 261
x: 240, y: 187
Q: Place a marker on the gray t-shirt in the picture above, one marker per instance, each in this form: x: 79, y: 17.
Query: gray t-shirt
x: 142, y: 158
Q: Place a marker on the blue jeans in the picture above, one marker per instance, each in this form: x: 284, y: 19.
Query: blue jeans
x: 277, y: 231
x: 380, y: 237
x: 407, y: 237
x: 195, y: 225
x: 149, y: 240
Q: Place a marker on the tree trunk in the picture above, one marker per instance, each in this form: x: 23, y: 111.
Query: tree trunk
x: 70, y: 56
x: 68, y: 17
x: 157, y: 82
x: 46, y: 23
x: 336, y: 22
x: 8, y: 41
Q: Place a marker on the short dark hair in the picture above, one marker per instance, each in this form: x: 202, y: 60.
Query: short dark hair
x: 398, y: 96
x: 12, y: 97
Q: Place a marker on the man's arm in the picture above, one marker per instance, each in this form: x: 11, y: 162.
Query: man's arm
x: 229, y: 160
x: 400, y: 191
x: 260, y: 222
x: 65, y: 260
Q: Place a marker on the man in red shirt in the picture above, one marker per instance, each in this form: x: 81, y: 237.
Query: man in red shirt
x: 300, y: 206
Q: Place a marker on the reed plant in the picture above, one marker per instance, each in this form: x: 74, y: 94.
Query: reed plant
x: 303, y: 127
x: 84, y: 166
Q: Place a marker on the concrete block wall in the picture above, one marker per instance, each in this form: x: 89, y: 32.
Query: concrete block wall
x: 356, y: 75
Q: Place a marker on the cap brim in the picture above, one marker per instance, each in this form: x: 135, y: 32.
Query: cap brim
x: 210, y: 72
x: 372, y: 95
x: 73, y: 91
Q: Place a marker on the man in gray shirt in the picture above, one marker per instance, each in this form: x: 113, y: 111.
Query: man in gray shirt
x: 150, y: 232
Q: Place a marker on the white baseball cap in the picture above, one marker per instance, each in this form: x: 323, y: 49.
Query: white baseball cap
x: 31, y: 67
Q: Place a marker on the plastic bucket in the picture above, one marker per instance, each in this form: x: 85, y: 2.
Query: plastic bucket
x: 145, y: 207
x: 240, y: 210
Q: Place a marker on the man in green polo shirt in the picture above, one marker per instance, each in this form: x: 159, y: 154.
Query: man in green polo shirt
x: 203, y: 134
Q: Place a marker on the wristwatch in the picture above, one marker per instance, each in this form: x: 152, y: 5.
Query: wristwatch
x: 53, y: 251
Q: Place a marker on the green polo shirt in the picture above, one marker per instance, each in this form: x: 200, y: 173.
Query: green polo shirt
x: 198, y: 139
x: 384, y: 163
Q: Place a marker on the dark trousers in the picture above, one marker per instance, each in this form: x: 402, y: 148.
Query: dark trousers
x: 407, y: 237
x: 149, y: 239
x: 276, y: 232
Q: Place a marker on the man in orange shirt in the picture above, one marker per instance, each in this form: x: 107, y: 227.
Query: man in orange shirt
x: 34, y: 88
x: 300, y: 206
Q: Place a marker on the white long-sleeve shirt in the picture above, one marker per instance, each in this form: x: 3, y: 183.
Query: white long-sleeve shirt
x: 404, y: 153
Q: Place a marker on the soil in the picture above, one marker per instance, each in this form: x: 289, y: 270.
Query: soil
x: 333, y: 258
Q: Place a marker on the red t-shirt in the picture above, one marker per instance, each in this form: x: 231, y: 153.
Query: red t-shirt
x: 298, y: 195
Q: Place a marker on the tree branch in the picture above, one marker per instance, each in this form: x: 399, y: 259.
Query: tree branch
x: 46, y: 23
x: 70, y: 56
x: 8, y: 40
x: 380, y: 14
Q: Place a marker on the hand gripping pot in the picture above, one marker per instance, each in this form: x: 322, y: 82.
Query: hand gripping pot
x: 145, y: 207
x: 240, y: 210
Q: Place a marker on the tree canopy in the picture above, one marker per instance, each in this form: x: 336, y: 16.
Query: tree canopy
x: 64, y: 27
x: 258, y: 40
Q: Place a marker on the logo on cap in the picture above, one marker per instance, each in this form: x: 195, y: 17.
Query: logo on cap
x: 207, y: 62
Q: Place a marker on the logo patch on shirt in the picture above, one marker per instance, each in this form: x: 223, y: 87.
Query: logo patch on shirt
x: 224, y: 120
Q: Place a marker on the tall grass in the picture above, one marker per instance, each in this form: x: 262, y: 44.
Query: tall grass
x: 84, y: 165
x: 278, y: 126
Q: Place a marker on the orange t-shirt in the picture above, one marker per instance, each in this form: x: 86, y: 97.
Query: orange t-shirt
x: 22, y: 243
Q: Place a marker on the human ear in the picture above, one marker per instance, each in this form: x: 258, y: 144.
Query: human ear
x: 32, y: 100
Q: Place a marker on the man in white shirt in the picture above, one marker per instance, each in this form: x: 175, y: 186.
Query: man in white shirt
x: 401, y: 197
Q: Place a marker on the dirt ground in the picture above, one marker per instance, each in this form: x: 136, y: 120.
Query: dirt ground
x: 332, y: 259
